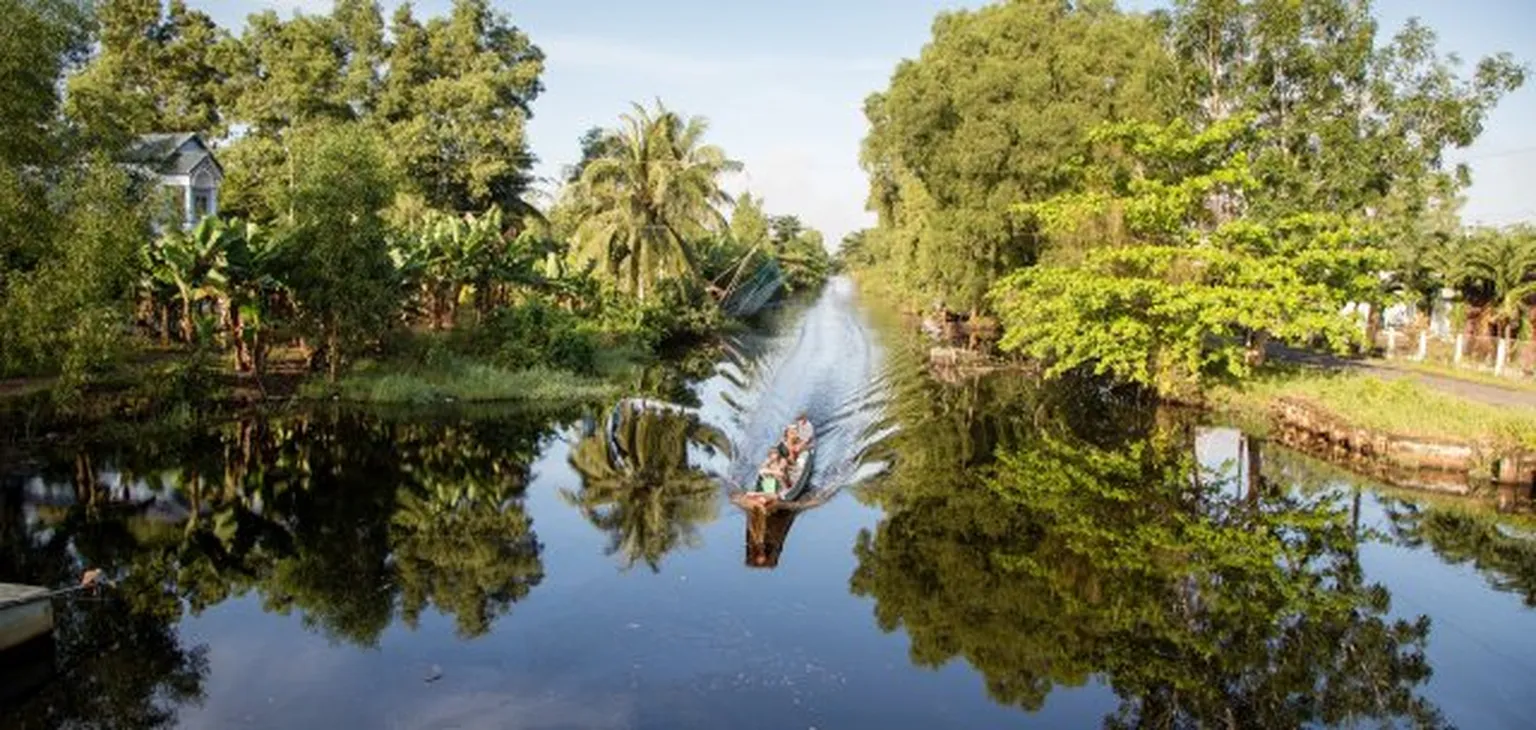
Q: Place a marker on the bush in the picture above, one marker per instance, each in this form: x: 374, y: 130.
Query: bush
x: 531, y: 334
x: 682, y: 313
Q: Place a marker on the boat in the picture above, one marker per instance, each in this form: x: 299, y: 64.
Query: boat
x: 799, y: 480
x: 25, y: 614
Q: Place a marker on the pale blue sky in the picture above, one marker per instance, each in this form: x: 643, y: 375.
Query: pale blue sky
x: 783, y: 83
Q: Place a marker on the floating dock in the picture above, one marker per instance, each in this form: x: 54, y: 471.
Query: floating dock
x: 25, y: 614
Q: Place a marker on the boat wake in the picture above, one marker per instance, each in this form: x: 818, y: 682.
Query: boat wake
x: 823, y: 360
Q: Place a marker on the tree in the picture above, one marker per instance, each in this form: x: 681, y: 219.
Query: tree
x: 344, y: 280
x: 596, y: 142
x: 155, y: 71
x: 641, y: 206
x: 1199, y: 285
x: 990, y: 114
x: 1500, y: 266
x: 43, y: 39
x: 455, y: 106
x: 66, y: 315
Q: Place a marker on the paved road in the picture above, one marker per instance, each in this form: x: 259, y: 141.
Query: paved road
x: 1469, y: 389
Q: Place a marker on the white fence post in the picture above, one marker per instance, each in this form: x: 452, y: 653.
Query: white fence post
x: 1461, y: 347
x: 1503, y: 357
x: 1391, y: 343
x: 1423, y: 346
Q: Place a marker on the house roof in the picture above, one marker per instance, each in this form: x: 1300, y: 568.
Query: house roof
x: 169, y: 153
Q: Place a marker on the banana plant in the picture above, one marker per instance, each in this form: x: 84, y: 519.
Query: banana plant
x: 254, y: 287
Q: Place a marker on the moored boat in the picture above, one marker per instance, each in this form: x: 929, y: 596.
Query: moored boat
x: 25, y: 614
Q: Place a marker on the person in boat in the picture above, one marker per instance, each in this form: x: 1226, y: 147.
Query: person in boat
x: 805, y: 431
x: 793, y: 444
x: 773, y: 477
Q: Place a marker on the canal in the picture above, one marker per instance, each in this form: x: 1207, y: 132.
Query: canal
x: 993, y: 553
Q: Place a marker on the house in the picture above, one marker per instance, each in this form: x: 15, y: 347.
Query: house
x: 184, y: 165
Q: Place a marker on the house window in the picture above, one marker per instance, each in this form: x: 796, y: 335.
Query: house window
x: 202, y: 203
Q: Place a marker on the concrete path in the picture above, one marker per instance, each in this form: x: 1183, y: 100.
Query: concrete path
x: 1472, y: 390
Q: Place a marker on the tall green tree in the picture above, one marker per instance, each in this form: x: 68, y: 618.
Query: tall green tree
x: 157, y: 69
x: 455, y: 104
x: 1200, y: 284
x: 643, y: 205
x: 344, y: 281
x: 988, y: 115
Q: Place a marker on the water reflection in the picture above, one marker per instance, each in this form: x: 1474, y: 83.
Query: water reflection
x: 1035, y: 539
x: 766, y: 533
x: 1048, y: 555
x: 639, y: 483
x: 348, y: 520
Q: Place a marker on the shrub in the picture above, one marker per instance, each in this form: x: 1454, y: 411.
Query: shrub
x: 531, y: 334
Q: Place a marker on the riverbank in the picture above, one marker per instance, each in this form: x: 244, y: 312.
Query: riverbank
x: 1402, y: 431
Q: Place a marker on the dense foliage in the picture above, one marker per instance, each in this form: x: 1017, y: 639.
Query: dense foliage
x: 1053, y: 535
x: 376, y: 190
x: 1154, y: 197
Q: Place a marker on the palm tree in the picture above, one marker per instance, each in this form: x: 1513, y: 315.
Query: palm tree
x: 638, y: 486
x: 1502, y: 265
x: 648, y: 196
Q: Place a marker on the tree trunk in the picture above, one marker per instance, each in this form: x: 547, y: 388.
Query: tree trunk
x: 242, y: 350
x: 1257, y: 352
x: 186, y: 319
x: 333, y: 351
x: 1372, y: 327
x: 258, y: 359
x: 165, y: 325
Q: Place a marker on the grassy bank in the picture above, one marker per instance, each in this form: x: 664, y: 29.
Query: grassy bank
x: 1401, y: 407
x: 459, y: 381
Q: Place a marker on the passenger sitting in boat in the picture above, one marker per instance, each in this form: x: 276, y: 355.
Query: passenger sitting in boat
x: 793, y: 443
x: 775, y: 471
x: 805, y: 431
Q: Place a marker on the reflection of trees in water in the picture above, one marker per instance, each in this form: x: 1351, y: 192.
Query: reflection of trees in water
x: 1507, y: 560
x: 1457, y: 531
x: 107, y: 665
x: 638, y: 486
x: 115, y: 668
x: 340, y: 517
x: 1071, y: 557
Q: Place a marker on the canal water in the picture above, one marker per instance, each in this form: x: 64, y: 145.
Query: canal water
x: 991, y: 553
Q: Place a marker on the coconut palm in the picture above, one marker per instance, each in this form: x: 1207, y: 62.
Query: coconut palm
x: 1502, y: 266
x: 638, y: 485
x: 642, y: 203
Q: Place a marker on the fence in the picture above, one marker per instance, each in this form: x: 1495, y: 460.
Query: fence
x: 1502, y: 357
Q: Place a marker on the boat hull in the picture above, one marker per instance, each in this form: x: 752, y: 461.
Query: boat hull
x: 25, y: 614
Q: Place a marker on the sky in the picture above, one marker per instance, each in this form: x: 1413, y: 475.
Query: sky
x: 783, y: 83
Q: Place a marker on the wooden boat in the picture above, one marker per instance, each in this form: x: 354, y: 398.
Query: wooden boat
x: 799, y: 479
x: 25, y: 614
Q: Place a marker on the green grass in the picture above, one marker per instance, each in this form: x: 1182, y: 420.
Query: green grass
x: 459, y: 381
x: 1402, y: 407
